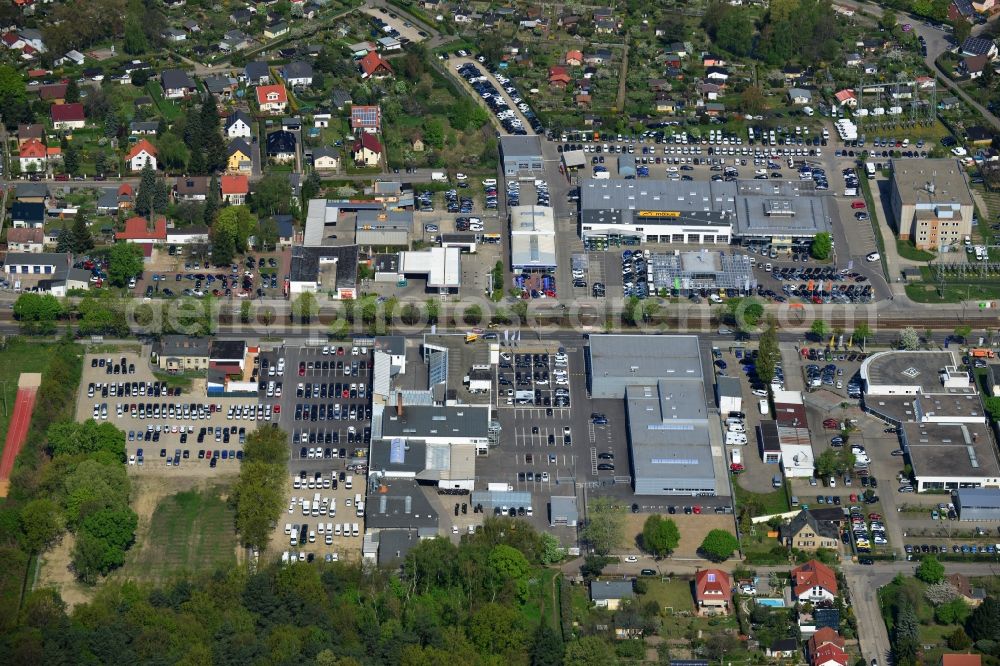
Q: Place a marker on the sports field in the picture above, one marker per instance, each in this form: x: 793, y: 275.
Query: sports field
x: 189, y: 531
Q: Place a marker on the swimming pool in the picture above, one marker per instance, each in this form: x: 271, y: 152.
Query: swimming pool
x: 771, y: 602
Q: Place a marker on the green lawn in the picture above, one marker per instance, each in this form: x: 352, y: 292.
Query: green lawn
x: 766, y: 503
x: 167, y: 108
x: 190, y: 531
x: 954, y: 292
x: 19, y: 356
x: 675, y: 594
x: 907, y: 250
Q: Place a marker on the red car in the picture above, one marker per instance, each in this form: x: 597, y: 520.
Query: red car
x: 857, y: 205
x: 854, y: 498
x: 340, y: 351
x: 874, y: 516
x: 832, y: 424
x: 277, y: 409
x: 696, y: 508
x: 736, y: 468
x: 302, y: 369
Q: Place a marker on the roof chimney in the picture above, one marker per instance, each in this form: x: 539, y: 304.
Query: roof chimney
x: 399, y: 404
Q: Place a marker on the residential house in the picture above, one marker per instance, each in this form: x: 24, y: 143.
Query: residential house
x: 574, y: 58
x: 177, y: 84
x: 665, y: 104
x: 222, y: 86
x: 598, y: 57
x: 782, y: 648
x: 141, y: 231
x: 275, y: 30
x: 952, y: 659
x: 68, y: 116
x: 925, y: 82
x: 25, y: 215
x: 973, y: 66
x: 112, y: 200
x: 870, y: 68
x: 799, y: 96
x: 326, y: 159
x: 813, y: 581
x: 714, y: 109
x: 678, y: 49
x: 33, y: 156
x: 72, y: 56
x: 853, y: 59
x: 659, y: 85
x: 417, y: 144
x: 340, y: 98
x: 238, y: 125
x: 366, y: 150
x: 280, y: 146
x: 286, y: 230
x: 143, y: 127
x: 310, y: 11
x: 257, y: 73
x: 24, y: 239
x: 297, y: 74
x: 30, y: 192
x: 792, y: 73
x: 28, y: 132
x: 191, y: 188
x: 873, y: 44
x: 961, y: 9
x: 826, y: 648
x: 239, y: 157
x: 976, y: 46
x: 234, y: 40
x: 141, y: 154
x: 711, y: 60
x: 33, y: 39
x: 978, y: 135
x: 605, y: 25
x: 173, y: 35
x: 53, y: 92
x: 846, y: 98
x: 972, y: 595
x: 716, y: 74
x: 366, y: 118
x: 178, y: 353
x: 806, y: 532
x: 389, y: 44
x: 713, y: 591
x: 582, y: 100
x: 272, y: 99
x: 191, y: 26
x: 558, y: 78
x: 234, y: 188
x: 610, y: 593
x: 709, y: 91
x: 374, y: 66
x: 949, y: 103
x: 244, y: 16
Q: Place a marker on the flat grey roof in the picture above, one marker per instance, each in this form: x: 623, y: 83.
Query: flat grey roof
x: 390, y: 220
x: 728, y: 387
x: 780, y: 208
x: 668, y: 430
x: 398, y: 503
x: 917, y: 369
x: 611, y: 589
x: 183, y: 345
x: 395, y: 544
x: 652, y: 194
x: 980, y: 498
x: 449, y: 353
x: 646, y: 358
x: 563, y: 507
x: 419, y: 422
x: 911, y: 177
x: 513, y: 147
x: 305, y: 263
x: 951, y: 450
x: 396, y: 456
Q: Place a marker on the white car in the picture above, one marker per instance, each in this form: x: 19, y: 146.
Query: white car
x: 874, y: 256
x: 760, y: 393
x: 632, y: 559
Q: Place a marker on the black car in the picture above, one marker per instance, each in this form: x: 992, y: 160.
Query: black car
x: 866, y: 561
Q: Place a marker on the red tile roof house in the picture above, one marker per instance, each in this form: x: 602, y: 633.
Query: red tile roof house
x: 142, y: 152
x: 814, y: 581
x: 374, y: 66
x: 961, y: 660
x: 234, y: 188
x: 139, y: 230
x: 68, y: 116
x: 713, y: 591
x: 558, y: 77
x: 272, y: 99
x: 846, y: 98
x: 826, y: 648
x: 574, y: 58
x: 32, y: 154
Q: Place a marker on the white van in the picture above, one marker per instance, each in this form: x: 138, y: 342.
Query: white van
x: 349, y: 482
x: 337, y: 529
x: 354, y: 530
x: 736, y: 439
x: 764, y: 409
x: 490, y: 182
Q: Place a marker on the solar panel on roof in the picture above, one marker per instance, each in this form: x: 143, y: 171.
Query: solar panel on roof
x: 397, y: 452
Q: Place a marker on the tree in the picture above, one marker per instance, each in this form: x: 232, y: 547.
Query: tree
x: 752, y: 100
x: 37, y: 313
x: 956, y: 611
x: 238, y: 223
x: 820, y: 329
x: 272, y: 196
x: 81, y: 240
x: 719, y: 545
x: 822, y: 246
x: 67, y: 438
x: 930, y: 570
x: 72, y: 91
x: 312, y: 186
x: 549, y: 548
x: 504, y: 564
x: 41, y: 523
x: 590, y: 651
x: 604, y: 529
x: 146, y: 192
x: 223, y: 247
x: 304, y: 307
x: 984, y: 623
x: 124, y: 263
x: 547, y: 647
x: 211, y: 205
x: 768, y: 355
x: 14, y: 93
x: 909, y: 339
x: 660, y: 536
x: 862, y: 331
x: 71, y: 159
x: 961, y: 29
x: 959, y: 640
x: 258, y: 497
x: 161, y: 196
x: 827, y: 464
x: 963, y: 332
x: 906, y: 634
x: 718, y: 645
x: 267, y: 234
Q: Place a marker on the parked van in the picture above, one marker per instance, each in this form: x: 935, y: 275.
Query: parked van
x: 776, y: 481
x: 354, y: 530
x: 349, y: 482
x: 762, y: 405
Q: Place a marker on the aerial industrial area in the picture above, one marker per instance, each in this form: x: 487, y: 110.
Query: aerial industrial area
x: 397, y: 332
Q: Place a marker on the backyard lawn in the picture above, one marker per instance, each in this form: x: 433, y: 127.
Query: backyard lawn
x: 673, y: 594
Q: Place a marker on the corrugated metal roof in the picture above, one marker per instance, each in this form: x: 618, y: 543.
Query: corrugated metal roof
x: 381, y: 374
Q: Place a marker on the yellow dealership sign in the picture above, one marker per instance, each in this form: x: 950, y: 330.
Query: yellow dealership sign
x: 659, y: 213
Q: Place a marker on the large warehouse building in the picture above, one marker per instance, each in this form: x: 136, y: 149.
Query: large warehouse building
x: 943, y: 426
x: 674, y: 448
x: 532, y: 238
x: 779, y: 213
x: 931, y: 202
x: 978, y: 503
x: 521, y: 156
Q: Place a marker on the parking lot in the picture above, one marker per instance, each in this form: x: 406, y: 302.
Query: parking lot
x: 539, y: 379
x: 258, y: 275
x: 323, y: 519
x: 164, y: 427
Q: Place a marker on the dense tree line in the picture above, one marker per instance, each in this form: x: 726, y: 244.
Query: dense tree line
x: 804, y: 31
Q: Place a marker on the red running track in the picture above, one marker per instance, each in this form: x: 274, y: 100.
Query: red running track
x: 17, y: 432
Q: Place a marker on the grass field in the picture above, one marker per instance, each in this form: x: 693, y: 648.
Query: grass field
x: 674, y: 594
x: 954, y: 292
x: 765, y: 503
x: 17, y: 357
x: 189, y: 531
x: 907, y: 250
